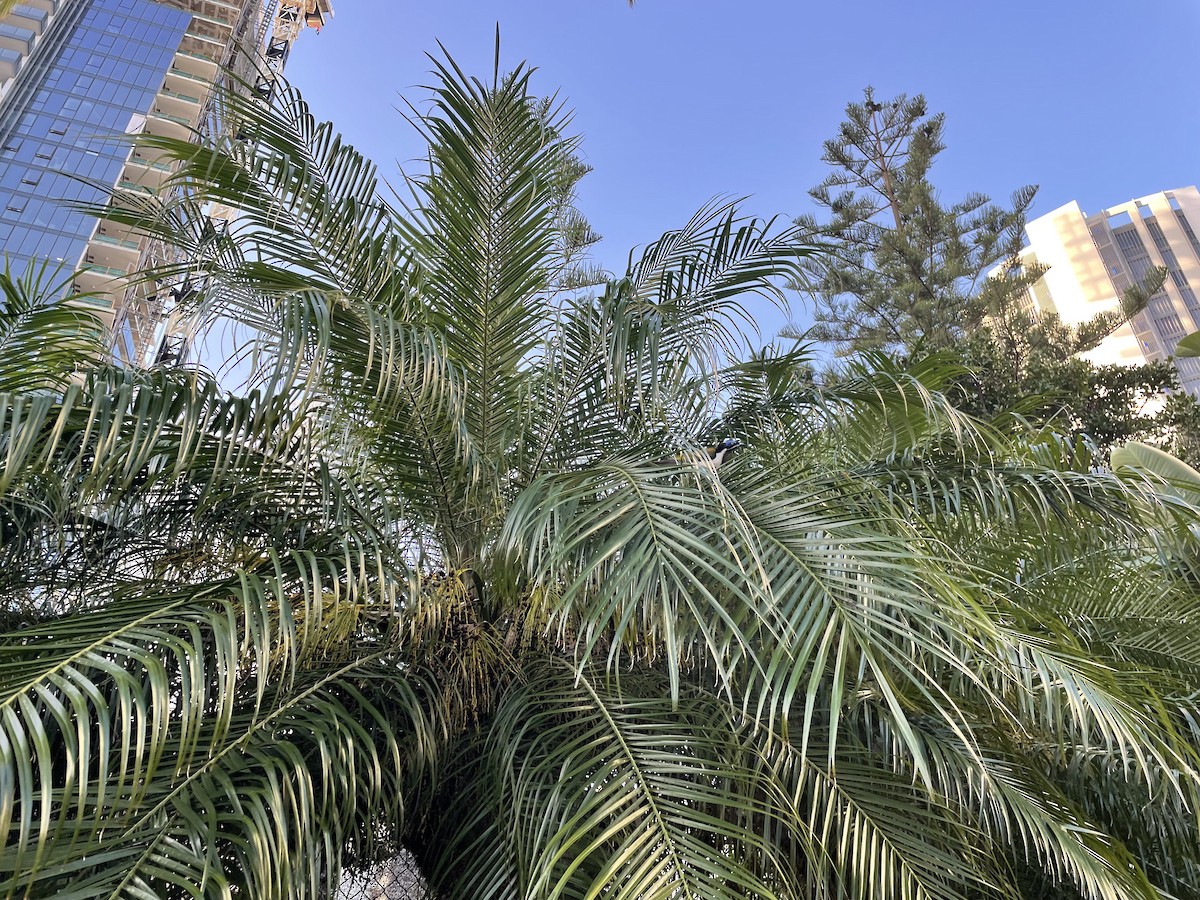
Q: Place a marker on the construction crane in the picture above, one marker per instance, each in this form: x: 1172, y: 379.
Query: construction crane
x: 291, y: 17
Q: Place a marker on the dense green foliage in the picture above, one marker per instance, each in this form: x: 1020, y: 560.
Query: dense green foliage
x: 1036, y: 371
x: 420, y: 585
x: 904, y: 273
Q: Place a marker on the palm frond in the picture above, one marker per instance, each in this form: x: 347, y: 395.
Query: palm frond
x: 483, y: 233
x: 129, y: 477
x: 644, y: 559
x: 680, y: 309
x: 985, y: 812
x: 47, y: 333
x: 591, y: 788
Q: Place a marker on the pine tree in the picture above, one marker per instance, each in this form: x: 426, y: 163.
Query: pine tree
x: 904, y: 272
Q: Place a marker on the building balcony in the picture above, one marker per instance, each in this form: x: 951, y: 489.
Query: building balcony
x: 217, y: 21
x: 110, y: 257
x: 128, y: 185
x: 226, y: 5
x: 115, y: 234
x: 117, y: 243
x: 183, y: 107
x: 143, y: 164
x: 49, y: 7
x: 216, y: 41
x: 96, y: 303
x: 207, y: 61
x: 13, y: 37
x: 31, y: 17
x: 167, y: 125
x: 176, y: 72
x: 103, y: 282
x: 10, y: 63
x: 175, y: 95
x: 142, y: 178
x: 102, y: 271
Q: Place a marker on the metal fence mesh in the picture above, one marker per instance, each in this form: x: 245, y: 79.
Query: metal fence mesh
x: 397, y: 879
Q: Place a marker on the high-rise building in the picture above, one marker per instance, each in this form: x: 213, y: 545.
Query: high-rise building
x: 1093, y: 259
x: 77, y: 74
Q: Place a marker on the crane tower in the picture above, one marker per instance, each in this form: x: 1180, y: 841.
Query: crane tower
x: 291, y: 17
x: 286, y: 19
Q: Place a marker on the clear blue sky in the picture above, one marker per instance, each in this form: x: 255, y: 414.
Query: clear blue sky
x: 681, y: 100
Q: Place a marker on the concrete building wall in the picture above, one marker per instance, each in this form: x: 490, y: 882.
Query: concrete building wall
x: 1094, y: 259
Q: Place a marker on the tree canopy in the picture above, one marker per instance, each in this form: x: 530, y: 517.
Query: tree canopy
x: 455, y: 575
x: 904, y: 273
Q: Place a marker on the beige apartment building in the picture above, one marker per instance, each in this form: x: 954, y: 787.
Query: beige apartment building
x: 1093, y: 259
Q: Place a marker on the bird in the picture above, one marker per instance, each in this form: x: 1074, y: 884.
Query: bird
x: 718, y: 452
x: 711, y: 456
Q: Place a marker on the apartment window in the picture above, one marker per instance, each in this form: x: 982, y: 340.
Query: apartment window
x: 1156, y: 232
x: 1161, y: 306
x: 1111, y: 261
x: 1170, y: 326
x: 1188, y: 367
x: 1141, y: 267
x: 1134, y: 251
x: 1187, y: 230
x: 1130, y: 242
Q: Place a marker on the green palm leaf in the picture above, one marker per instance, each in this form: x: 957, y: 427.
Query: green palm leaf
x: 46, y: 333
x: 455, y: 574
x: 597, y: 791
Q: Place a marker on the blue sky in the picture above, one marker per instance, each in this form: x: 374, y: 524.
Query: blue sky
x: 681, y: 100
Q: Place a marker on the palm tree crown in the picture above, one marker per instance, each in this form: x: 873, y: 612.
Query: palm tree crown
x: 453, y: 574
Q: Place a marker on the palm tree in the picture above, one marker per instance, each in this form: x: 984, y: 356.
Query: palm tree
x: 454, y: 575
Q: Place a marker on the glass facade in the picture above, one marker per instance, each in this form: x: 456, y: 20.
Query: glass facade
x: 91, y: 82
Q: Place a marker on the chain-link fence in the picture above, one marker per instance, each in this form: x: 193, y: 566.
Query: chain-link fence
x: 397, y: 879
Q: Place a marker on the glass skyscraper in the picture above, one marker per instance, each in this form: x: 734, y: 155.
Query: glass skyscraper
x: 75, y: 75
x: 97, y: 78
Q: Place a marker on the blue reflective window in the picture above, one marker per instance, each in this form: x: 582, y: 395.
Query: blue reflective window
x: 109, y: 69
